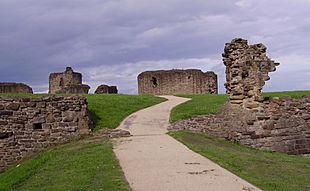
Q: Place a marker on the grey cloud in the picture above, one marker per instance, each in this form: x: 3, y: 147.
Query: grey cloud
x: 122, y: 37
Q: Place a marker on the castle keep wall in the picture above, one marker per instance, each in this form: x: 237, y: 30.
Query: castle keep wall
x: 30, y: 124
x: 167, y: 82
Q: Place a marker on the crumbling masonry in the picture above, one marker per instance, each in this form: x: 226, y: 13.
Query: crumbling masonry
x: 10, y: 87
x: 247, y: 68
x: 169, y: 82
x: 68, y: 82
x: 30, y: 124
x: 278, y: 124
x: 105, y: 89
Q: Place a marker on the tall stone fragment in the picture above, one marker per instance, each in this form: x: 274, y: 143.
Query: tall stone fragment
x: 247, y: 68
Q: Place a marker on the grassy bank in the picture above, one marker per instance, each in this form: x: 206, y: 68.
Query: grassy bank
x: 268, y: 170
x: 206, y: 104
x: 78, y: 165
x: 109, y: 110
x: 198, y: 105
x: 292, y: 94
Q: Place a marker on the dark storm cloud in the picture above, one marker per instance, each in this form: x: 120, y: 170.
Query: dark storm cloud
x: 112, y: 41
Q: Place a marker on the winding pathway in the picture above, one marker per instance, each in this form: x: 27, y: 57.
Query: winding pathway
x: 154, y: 161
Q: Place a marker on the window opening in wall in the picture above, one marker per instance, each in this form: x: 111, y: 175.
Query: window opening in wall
x: 154, y: 81
x: 61, y: 82
x: 37, y: 126
x: 5, y: 135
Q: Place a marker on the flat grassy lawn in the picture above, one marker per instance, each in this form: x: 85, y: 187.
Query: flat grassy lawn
x: 267, y: 170
x: 79, y: 165
x: 109, y: 110
x: 206, y: 104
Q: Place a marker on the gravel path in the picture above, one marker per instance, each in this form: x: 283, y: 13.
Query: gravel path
x: 154, y: 161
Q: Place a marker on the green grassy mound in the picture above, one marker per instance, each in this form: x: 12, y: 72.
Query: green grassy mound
x: 78, y: 165
x: 268, y: 170
x: 206, y: 104
x: 198, y: 105
x: 109, y: 110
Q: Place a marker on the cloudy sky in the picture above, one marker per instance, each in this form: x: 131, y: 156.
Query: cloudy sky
x: 112, y: 41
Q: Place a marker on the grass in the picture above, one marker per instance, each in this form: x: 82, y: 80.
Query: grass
x: 207, y: 104
x: 268, y: 170
x: 292, y: 94
x: 78, y: 165
x: 108, y: 110
x: 204, y: 104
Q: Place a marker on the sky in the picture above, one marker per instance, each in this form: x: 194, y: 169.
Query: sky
x: 112, y: 41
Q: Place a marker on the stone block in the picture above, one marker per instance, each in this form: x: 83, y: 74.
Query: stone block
x: 13, y: 106
x: 3, y: 112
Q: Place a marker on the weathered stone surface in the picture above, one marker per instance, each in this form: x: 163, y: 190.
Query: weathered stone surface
x: 68, y: 82
x: 112, y: 133
x: 247, y: 68
x: 279, y: 124
x: 9, y: 87
x: 105, y: 89
x: 276, y: 128
x: 31, y: 128
x: 167, y: 82
x: 13, y: 106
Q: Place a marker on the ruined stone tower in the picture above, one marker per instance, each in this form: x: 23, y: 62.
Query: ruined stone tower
x: 168, y: 82
x: 247, y: 68
x: 68, y: 82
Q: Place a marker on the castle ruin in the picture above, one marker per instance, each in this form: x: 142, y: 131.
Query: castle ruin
x: 278, y: 124
x: 67, y: 82
x: 105, y: 89
x: 247, y: 68
x: 169, y: 82
x: 10, y: 87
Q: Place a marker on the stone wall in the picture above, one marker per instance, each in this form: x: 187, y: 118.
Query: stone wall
x: 30, y: 124
x: 9, y: 87
x: 278, y: 124
x: 283, y: 125
x: 105, y: 89
x: 167, y: 82
x: 67, y: 82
